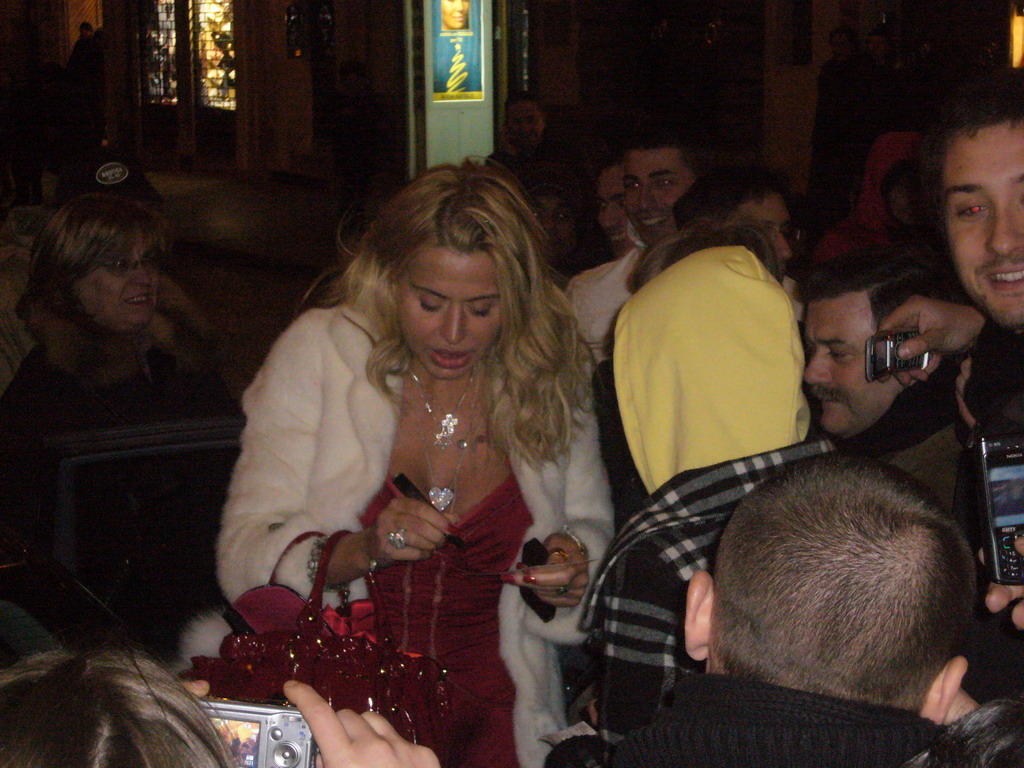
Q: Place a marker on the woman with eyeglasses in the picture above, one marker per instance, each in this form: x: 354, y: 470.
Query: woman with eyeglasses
x: 444, y: 354
x: 118, y: 345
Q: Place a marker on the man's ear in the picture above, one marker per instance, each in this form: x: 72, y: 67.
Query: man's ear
x: 946, y: 701
x: 700, y: 596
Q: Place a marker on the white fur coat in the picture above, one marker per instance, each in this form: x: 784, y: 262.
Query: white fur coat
x: 315, y: 452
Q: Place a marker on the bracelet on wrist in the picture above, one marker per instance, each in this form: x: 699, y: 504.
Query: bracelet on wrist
x: 315, y: 553
x: 576, y: 540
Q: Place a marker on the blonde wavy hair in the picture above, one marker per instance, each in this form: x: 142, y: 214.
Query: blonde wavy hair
x: 539, y: 366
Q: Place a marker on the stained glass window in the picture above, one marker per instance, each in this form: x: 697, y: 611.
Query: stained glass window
x: 214, y: 42
x: 159, y: 74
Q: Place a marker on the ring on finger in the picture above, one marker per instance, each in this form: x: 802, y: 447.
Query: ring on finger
x: 562, y: 590
x: 397, y: 538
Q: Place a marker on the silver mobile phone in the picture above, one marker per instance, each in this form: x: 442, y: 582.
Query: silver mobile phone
x: 880, y: 355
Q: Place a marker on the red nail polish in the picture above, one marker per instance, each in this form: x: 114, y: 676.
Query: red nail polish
x: 520, y: 566
x: 530, y: 579
x: 508, y: 578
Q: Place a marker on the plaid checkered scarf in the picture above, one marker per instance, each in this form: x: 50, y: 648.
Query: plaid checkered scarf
x: 638, y: 596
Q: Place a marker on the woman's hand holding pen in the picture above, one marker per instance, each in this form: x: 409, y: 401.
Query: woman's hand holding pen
x: 407, y: 529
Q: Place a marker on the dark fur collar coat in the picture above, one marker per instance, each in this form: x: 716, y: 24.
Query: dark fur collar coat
x: 100, y: 359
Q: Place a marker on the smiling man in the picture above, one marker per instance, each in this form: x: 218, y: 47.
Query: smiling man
x: 910, y: 427
x: 973, y: 173
x: 656, y: 170
x: 983, y: 189
x: 658, y: 166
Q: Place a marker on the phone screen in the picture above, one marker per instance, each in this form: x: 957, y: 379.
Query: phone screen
x: 1006, y: 484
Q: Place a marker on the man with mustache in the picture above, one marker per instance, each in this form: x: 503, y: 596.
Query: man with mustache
x: 908, y: 426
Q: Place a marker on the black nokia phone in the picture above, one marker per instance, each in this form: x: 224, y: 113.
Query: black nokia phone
x: 1001, y: 504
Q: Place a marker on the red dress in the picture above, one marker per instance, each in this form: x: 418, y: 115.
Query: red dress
x: 447, y: 608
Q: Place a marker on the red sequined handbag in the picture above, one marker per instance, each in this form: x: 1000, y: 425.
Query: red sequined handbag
x: 337, y: 652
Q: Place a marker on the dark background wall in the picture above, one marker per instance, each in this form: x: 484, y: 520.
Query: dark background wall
x: 741, y: 71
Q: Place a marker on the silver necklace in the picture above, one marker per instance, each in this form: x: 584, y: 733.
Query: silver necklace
x: 443, y: 438
x: 440, y: 496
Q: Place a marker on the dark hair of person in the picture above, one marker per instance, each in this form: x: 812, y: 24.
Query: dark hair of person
x: 698, y: 235
x: 997, y: 98
x: 107, y: 708
x: 656, y: 135
x: 85, y: 26
x: 517, y: 97
x: 717, y: 194
x: 841, y: 578
x: 991, y: 736
x: 83, y: 234
x: 890, y: 274
x: 606, y: 160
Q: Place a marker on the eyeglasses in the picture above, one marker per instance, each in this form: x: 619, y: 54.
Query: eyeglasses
x: 124, y: 265
x: 791, y: 233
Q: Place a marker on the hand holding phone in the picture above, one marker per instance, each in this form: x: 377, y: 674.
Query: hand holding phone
x: 880, y: 355
x: 555, y: 578
x: 535, y: 553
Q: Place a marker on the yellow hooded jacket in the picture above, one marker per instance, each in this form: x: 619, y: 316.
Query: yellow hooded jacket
x: 708, y: 365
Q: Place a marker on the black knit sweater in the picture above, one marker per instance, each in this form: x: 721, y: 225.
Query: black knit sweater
x: 724, y: 722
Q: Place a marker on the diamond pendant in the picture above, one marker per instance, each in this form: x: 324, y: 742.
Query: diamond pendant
x: 444, y: 437
x: 441, y: 498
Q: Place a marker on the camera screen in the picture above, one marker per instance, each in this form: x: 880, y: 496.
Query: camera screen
x: 1007, y: 487
x: 242, y: 738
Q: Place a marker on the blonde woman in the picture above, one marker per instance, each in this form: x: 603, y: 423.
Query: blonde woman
x: 445, y: 354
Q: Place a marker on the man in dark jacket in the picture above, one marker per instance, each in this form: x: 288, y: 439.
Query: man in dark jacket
x: 830, y: 629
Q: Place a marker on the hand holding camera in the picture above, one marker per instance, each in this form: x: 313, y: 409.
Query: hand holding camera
x: 348, y: 740
x: 277, y: 736
x: 262, y: 735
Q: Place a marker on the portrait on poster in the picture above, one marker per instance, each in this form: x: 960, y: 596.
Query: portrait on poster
x: 458, y: 68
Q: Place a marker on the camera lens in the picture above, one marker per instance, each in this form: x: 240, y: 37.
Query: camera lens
x: 286, y: 755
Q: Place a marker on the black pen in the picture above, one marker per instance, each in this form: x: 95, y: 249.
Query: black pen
x: 409, y: 489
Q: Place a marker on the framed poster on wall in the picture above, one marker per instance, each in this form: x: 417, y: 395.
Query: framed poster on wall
x: 458, y: 64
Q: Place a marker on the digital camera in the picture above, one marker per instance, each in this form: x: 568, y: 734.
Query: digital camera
x: 880, y: 355
x: 263, y: 735
x: 1001, y: 461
